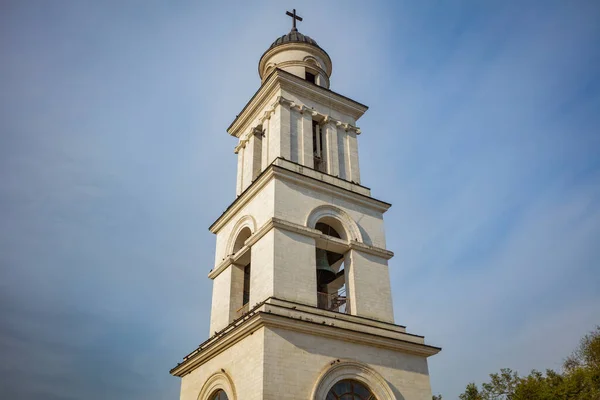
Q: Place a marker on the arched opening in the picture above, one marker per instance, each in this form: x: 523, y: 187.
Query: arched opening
x: 348, y: 379
x: 219, y: 395
x: 331, y: 274
x: 241, y: 275
x: 219, y: 386
x: 349, y: 389
x: 241, y: 238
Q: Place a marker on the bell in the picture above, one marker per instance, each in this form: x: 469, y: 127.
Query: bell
x: 325, y: 274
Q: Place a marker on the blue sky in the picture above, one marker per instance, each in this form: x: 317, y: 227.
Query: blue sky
x: 483, y: 132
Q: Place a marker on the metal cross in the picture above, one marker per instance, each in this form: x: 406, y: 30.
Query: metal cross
x: 294, y: 18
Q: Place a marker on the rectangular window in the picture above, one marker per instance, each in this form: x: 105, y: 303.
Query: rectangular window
x: 246, y: 298
x: 310, y: 77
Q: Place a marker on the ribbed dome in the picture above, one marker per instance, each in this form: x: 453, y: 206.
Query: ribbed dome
x: 293, y: 37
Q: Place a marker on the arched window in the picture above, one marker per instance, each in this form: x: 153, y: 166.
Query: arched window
x: 241, y: 238
x: 219, y: 395
x: 331, y: 278
x: 348, y: 389
x: 241, y: 276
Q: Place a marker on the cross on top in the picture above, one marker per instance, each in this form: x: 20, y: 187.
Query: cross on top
x: 294, y: 18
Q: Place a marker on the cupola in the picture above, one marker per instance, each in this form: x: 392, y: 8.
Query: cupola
x: 297, y: 54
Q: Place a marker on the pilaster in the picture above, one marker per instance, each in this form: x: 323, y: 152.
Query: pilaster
x: 247, y: 170
x: 279, y: 130
x: 265, y: 141
x: 221, y: 295
x: 369, y: 285
x: 306, y: 154
x: 354, y: 169
x: 295, y: 134
x: 240, y: 171
x: 330, y: 131
x: 342, y: 137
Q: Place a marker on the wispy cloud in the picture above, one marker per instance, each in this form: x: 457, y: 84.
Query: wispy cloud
x: 483, y: 132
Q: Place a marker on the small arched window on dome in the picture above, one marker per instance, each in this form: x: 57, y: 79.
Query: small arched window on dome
x: 219, y: 395
x: 349, y: 389
x: 311, y: 72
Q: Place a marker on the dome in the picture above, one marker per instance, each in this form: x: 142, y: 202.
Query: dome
x: 294, y: 37
x: 297, y: 54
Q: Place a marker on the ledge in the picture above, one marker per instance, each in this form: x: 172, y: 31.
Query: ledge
x: 279, y: 79
x: 277, y: 313
x: 334, y: 244
x: 296, y: 173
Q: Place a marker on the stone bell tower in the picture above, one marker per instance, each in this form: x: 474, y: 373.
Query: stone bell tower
x: 302, y: 305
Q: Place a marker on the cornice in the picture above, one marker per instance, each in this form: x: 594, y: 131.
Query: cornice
x: 340, y: 244
x: 280, y: 79
x: 291, y: 105
x: 314, y: 183
x: 263, y: 316
x: 278, y: 171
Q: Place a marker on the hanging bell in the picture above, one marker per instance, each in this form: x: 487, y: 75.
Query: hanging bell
x: 325, y: 274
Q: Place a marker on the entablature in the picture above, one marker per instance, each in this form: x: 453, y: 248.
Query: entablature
x: 305, y: 176
x: 323, y: 119
x: 280, y: 79
x: 277, y: 313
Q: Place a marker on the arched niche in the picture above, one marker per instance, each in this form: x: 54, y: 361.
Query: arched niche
x: 243, y: 229
x: 338, y: 219
x: 351, y: 370
x: 218, y: 381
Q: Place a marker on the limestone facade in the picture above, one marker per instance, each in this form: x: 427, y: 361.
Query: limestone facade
x: 298, y: 171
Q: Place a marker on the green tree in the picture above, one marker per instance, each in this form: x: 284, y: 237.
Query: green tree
x: 580, y: 379
x: 471, y: 393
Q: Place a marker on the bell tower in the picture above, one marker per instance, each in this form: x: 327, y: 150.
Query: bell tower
x: 302, y: 303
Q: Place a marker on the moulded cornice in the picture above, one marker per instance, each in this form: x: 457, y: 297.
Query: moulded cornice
x: 280, y: 79
x: 259, y: 317
x: 342, y: 245
x: 295, y: 177
x: 316, y: 184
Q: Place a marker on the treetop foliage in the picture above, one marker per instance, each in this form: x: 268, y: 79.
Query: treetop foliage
x: 579, y: 380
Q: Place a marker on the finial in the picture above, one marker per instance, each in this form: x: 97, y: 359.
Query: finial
x: 294, y: 18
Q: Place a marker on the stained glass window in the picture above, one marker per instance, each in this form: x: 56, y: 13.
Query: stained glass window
x: 219, y: 395
x: 350, y: 390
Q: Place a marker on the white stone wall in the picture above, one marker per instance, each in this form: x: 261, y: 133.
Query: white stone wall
x: 260, y: 207
x: 294, y: 202
x: 219, y: 313
x: 293, y: 362
x: 262, y: 278
x: 295, y: 277
x: 292, y: 61
x: 243, y: 362
x: 369, y: 286
x: 287, y: 127
x: 320, y: 107
x: 341, y: 143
